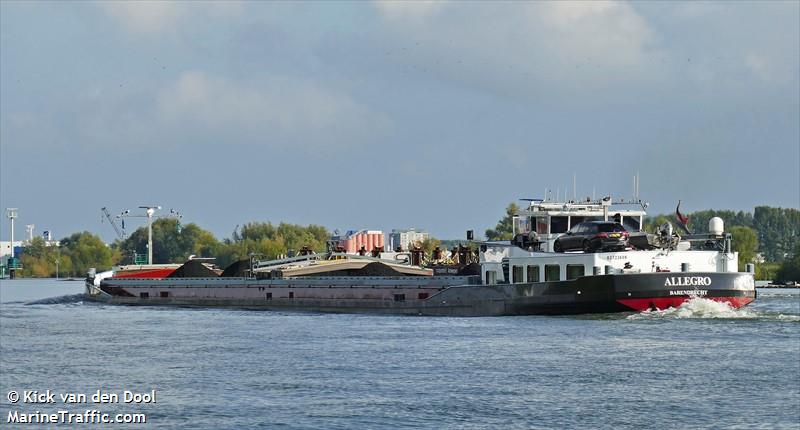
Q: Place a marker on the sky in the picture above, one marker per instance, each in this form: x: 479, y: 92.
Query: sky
x: 385, y: 115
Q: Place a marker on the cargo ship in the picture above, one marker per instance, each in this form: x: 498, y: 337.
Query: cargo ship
x: 528, y: 275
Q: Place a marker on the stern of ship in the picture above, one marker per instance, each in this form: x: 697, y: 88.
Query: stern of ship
x: 655, y: 291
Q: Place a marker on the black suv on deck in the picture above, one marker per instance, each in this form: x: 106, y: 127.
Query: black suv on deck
x: 592, y: 236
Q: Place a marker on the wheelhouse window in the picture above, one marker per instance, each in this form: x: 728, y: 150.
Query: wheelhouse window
x: 575, y: 220
x: 552, y: 272
x: 541, y: 225
x: 516, y: 275
x: 522, y: 225
x: 533, y: 273
x: 558, y: 224
x: 632, y: 223
x: 575, y: 271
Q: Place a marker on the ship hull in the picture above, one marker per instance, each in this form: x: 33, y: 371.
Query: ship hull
x: 441, y: 296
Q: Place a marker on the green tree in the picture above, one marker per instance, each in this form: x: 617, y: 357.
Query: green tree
x: 698, y: 220
x: 504, y: 228
x: 745, y: 242
x: 429, y: 244
x: 40, y: 260
x: 654, y: 223
x: 778, y: 231
x: 270, y: 241
x: 170, y: 243
x: 766, y: 271
x: 790, y: 269
x: 86, y: 250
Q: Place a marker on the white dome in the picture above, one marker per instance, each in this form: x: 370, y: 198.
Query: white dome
x: 716, y: 226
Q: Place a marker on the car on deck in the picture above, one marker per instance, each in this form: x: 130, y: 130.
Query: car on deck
x: 593, y: 236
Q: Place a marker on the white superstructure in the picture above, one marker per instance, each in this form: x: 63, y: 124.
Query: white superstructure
x: 529, y: 257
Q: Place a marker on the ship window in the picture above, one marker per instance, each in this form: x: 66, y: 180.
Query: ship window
x: 491, y: 277
x: 523, y: 225
x: 516, y: 274
x: 575, y: 271
x: 533, y: 273
x: 269, y: 296
x: 541, y: 225
x: 580, y: 219
x: 422, y: 296
x: 552, y: 272
x: 165, y: 294
x: 631, y: 223
x: 291, y: 294
x: 558, y: 224
x: 399, y: 297
x: 144, y: 295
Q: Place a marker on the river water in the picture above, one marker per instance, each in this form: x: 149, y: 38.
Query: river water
x: 700, y: 366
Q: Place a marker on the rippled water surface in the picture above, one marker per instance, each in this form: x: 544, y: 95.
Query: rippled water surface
x: 701, y: 366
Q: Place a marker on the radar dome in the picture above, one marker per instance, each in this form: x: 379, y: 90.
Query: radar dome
x: 716, y: 226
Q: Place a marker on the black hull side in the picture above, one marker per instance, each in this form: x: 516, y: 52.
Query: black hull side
x: 588, y: 294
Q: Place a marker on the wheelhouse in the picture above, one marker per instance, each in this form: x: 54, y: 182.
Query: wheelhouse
x: 547, y: 220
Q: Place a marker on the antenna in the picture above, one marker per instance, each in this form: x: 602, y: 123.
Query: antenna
x: 638, y: 182
x: 574, y: 187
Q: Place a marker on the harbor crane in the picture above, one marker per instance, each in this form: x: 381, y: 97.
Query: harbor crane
x: 120, y: 231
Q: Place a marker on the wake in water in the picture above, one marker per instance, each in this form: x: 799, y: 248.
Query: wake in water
x: 710, y: 309
x: 70, y: 298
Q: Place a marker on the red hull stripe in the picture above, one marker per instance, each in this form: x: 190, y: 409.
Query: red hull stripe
x: 642, y: 305
x: 149, y: 274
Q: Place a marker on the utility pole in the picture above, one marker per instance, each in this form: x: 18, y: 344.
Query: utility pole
x: 150, y: 214
x: 57, y: 260
x: 11, y: 213
x: 150, y: 210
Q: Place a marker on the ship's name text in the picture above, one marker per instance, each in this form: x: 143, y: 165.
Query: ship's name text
x: 696, y: 293
x: 693, y: 281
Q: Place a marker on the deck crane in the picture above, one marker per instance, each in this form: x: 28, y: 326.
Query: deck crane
x: 120, y: 231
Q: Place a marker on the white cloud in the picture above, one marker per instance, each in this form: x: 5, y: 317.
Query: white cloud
x: 527, y: 48
x: 416, y: 11
x: 144, y: 16
x: 155, y: 16
x: 611, y: 33
x: 276, y: 110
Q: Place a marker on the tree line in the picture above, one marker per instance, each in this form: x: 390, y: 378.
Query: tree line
x: 772, y: 233
x: 172, y: 243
